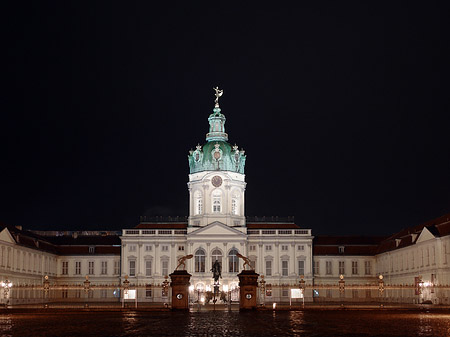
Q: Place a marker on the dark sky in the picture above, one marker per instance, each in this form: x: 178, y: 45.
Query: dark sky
x: 342, y: 109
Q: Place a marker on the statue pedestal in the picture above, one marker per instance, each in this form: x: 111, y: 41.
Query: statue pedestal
x: 180, y: 289
x: 248, y: 283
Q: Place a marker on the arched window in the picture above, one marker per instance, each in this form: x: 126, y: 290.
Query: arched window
x: 233, y: 261
x: 217, y: 201
x: 200, y: 261
x: 216, y: 256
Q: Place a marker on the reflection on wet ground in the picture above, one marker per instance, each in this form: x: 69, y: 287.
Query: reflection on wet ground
x: 220, y: 323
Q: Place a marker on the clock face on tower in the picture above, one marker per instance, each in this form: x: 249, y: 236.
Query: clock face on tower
x: 216, y: 181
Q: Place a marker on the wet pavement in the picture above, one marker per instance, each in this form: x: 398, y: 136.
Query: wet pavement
x: 224, y: 323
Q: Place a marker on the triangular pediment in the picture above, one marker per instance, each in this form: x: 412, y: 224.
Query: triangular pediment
x: 216, y: 229
x: 6, y: 236
x: 425, y: 235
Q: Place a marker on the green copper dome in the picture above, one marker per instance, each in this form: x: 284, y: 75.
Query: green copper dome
x: 217, y: 154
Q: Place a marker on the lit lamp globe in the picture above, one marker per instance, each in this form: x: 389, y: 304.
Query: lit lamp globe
x: 225, y: 287
x: 380, y: 277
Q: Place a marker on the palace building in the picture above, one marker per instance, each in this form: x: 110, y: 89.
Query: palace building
x: 414, y: 263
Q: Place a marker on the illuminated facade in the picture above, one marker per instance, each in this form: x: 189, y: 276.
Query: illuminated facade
x: 414, y: 263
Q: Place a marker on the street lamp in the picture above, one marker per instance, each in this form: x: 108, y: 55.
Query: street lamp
x: 380, y: 287
x: 227, y: 290
x: 6, y: 285
x: 262, y: 285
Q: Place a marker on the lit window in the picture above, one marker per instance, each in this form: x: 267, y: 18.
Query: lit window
x: 199, y: 261
x: 217, y: 201
x: 268, y: 268
x: 301, y: 267
x: 233, y: 261
x: 198, y: 203
x: 132, y: 270
x: 284, y: 268
x: 165, y: 267
x: 148, y: 267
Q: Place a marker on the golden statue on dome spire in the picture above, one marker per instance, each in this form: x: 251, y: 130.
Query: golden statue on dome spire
x: 218, y: 94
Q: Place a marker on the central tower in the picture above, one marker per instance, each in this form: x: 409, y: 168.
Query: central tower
x: 216, y: 177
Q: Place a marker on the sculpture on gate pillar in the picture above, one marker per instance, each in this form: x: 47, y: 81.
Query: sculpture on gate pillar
x: 247, y: 261
x: 182, y: 261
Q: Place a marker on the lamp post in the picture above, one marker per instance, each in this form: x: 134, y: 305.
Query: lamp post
x: 6, y: 285
x: 165, y: 285
x: 227, y: 291
x: 302, y: 288
x: 46, y: 286
x: 380, y: 288
x: 262, y: 285
x: 87, y: 286
x: 125, y: 286
x: 341, y: 287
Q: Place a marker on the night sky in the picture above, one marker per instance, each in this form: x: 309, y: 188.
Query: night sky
x: 342, y: 109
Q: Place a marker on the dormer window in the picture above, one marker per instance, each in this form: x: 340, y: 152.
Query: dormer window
x: 341, y: 249
x: 91, y: 250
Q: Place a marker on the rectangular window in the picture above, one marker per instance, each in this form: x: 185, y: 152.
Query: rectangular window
x: 252, y: 248
x: 355, y: 293
x: 65, y: 267
x: 104, y: 267
x: 91, y: 250
x: 165, y: 248
x: 77, y: 267
x: 165, y: 267
x: 132, y: 270
x: 148, y: 291
x: 301, y: 248
x: 285, y: 292
x: 341, y: 249
x: 329, y: 293
x: 341, y: 267
x: 268, y: 248
x: 103, y: 293
x: 148, y: 267
x: 116, y: 267
x: 132, y: 248
x: 284, y: 268
x: 148, y: 248
x: 328, y: 267
x: 354, y: 267
x: 268, y: 268
x: 181, y: 248
x: 367, y: 268
x: 284, y: 248
x: 316, y: 267
x: 301, y: 267
x: 91, y: 268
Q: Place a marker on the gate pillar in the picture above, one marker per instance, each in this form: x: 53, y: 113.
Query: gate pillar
x: 180, y: 289
x: 248, y: 283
